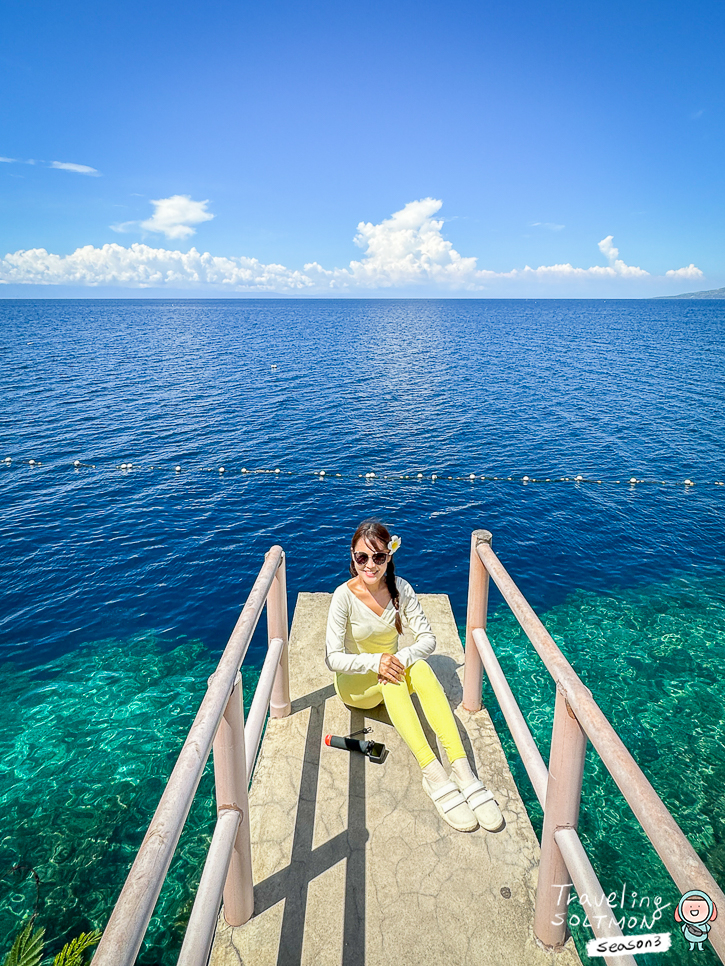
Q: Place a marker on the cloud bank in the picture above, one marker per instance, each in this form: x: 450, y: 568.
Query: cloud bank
x: 405, y: 251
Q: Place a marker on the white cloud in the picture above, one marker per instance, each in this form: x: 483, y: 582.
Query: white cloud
x: 547, y: 224
x: 617, y: 266
x: 78, y: 168
x: 174, y: 216
x: 60, y: 165
x: 407, y: 250
x: 691, y: 271
x: 607, y: 248
x: 124, y: 226
x: 141, y: 266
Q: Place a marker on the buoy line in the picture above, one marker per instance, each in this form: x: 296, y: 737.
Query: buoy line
x: 177, y: 469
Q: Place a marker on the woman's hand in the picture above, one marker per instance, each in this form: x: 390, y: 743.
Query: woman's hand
x: 390, y: 670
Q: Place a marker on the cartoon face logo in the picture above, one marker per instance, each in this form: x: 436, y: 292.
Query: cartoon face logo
x: 695, y: 911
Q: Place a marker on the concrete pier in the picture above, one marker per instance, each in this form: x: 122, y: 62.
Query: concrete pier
x: 352, y: 864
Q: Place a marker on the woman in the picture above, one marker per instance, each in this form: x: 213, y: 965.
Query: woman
x: 363, y: 625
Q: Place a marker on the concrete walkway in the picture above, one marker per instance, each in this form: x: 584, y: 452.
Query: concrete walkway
x: 352, y: 864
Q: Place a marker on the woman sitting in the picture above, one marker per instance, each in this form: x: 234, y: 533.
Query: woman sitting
x: 362, y: 649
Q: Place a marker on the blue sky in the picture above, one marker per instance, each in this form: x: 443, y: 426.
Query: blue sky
x: 584, y: 141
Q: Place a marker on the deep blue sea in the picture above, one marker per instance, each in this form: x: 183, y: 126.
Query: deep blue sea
x: 119, y: 587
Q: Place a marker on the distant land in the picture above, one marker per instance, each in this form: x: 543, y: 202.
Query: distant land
x: 714, y: 293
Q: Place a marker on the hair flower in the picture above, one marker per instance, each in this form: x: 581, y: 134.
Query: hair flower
x: 394, y: 543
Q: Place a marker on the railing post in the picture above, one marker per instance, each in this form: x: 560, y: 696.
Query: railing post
x: 277, y: 626
x: 563, y: 794
x: 230, y: 779
x: 475, y: 617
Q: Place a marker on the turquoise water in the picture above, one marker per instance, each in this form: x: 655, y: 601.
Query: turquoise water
x: 118, y: 588
x: 654, y: 659
x: 86, y: 747
x: 89, y: 740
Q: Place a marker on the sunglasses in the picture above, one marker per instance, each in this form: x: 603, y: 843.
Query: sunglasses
x: 362, y: 558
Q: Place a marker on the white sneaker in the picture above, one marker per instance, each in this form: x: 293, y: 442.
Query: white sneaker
x: 451, y: 806
x: 482, y: 803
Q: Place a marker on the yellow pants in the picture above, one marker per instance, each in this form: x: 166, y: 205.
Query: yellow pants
x: 364, y: 691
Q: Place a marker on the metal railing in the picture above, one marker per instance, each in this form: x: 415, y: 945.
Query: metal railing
x: 577, y: 717
x: 219, y: 722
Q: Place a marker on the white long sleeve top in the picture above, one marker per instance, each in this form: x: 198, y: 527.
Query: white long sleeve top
x: 357, y: 637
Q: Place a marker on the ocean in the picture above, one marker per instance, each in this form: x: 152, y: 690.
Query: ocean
x: 120, y: 586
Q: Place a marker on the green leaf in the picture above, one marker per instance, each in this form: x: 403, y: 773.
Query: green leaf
x: 27, y: 950
x: 72, y: 953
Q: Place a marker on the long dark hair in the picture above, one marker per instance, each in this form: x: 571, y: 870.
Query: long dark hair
x: 375, y: 534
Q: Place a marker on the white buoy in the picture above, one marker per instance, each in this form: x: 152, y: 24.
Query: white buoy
x: 77, y: 463
x: 579, y: 479
x: 420, y: 476
x: 434, y: 477
x: 689, y: 483
x: 526, y: 479
x: 633, y: 479
x: 31, y: 462
x: 322, y: 472
x: 8, y: 459
x: 338, y: 474
x: 221, y: 469
x: 274, y: 365
x: 276, y: 471
x: 472, y: 476
x: 244, y: 469
x: 178, y: 469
